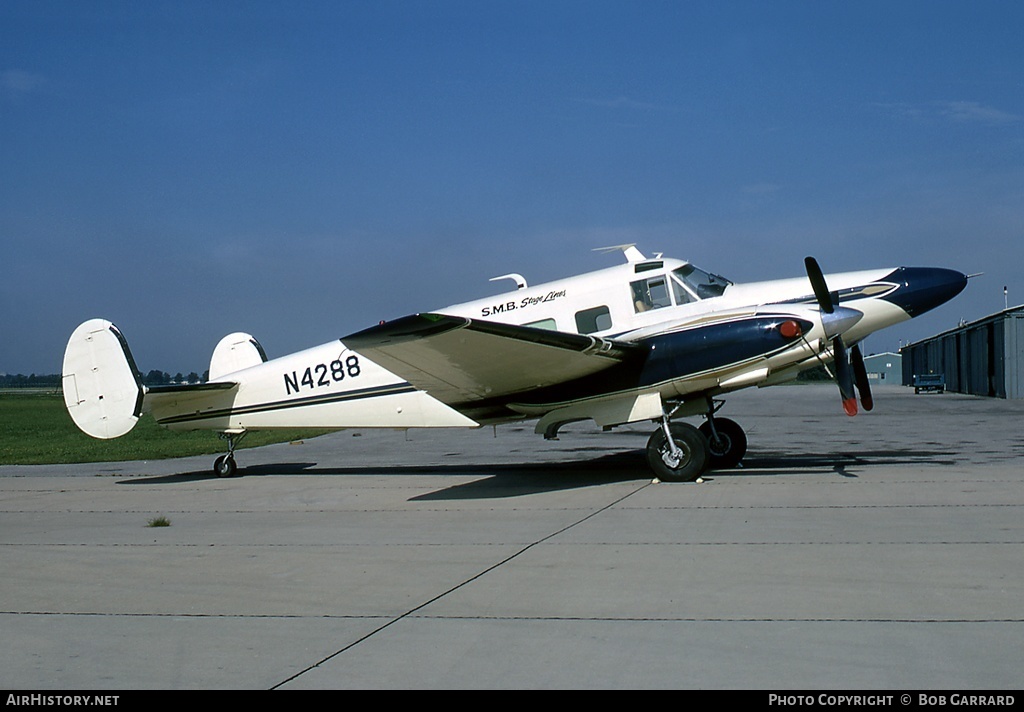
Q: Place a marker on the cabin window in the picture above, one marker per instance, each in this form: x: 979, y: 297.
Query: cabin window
x: 650, y: 294
x: 548, y: 324
x: 590, y: 320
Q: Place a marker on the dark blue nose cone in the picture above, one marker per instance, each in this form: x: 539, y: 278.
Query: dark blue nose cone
x: 924, y: 288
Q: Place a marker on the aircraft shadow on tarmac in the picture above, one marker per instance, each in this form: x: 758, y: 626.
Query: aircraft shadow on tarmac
x: 769, y: 463
x: 501, y: 480
x: 496, y: 480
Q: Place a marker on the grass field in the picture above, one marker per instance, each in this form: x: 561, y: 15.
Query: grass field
x: 35, y: 429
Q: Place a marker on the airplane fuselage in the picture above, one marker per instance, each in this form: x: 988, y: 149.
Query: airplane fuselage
x: 701, y: 335
x: 648, y: 340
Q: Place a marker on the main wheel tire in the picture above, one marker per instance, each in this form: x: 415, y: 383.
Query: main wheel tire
x: 693, y: 457
x: 224, y: 466
x: 731, y: 445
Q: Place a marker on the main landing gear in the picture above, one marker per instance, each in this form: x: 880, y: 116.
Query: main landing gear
x: 727, y: 443
x: 224, y: 466
x: 680, y: 452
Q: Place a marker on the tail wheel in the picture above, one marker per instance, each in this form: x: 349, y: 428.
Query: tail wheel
x: 689, y: 459
x: 727, y: 450
x: 224, y: 466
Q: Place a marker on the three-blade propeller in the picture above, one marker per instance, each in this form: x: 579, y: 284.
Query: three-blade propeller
x: 850, y: 370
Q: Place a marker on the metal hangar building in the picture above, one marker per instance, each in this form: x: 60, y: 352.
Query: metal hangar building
x: 982, y: 358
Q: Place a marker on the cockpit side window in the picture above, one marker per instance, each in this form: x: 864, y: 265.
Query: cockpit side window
x: 682, y: 292
x: 650, y: 294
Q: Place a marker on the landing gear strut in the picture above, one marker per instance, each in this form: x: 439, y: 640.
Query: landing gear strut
x: 678, y: 452
x: 224, y: 466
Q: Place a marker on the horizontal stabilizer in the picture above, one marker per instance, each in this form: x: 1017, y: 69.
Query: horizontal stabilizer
x: 176, y: 400
x: 188, y: 388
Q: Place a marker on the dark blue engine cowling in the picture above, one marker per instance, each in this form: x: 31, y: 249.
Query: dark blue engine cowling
x: 713, y: 346
x: 683, y: 353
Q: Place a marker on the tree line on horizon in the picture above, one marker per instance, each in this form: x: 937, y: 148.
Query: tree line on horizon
x: 53, y: 380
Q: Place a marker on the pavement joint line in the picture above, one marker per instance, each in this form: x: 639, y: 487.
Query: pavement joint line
x: 780, y: 542
x: 607, y: 619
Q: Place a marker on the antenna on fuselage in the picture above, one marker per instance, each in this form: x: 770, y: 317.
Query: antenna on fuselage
x: 630, y: 250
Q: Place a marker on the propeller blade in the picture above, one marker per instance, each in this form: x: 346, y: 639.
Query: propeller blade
x: 821, y: 293
x: 860, y: 377
x: 842, y: 320
x: 844, y: 376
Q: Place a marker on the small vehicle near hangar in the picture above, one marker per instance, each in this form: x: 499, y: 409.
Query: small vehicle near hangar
x: 929, y: 383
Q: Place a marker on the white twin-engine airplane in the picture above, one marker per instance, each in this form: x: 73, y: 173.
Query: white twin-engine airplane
x: 649, y: 340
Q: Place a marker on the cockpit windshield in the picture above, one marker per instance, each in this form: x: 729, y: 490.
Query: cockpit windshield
x: 692, y: 283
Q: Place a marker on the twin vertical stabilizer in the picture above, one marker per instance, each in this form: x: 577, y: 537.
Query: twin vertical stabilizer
x: 102, y: 389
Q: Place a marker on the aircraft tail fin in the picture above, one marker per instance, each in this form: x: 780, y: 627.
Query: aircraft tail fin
x: 235, y: 352
x: 102, y: 389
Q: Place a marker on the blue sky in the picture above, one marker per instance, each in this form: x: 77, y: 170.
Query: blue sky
x: 302, y: 170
